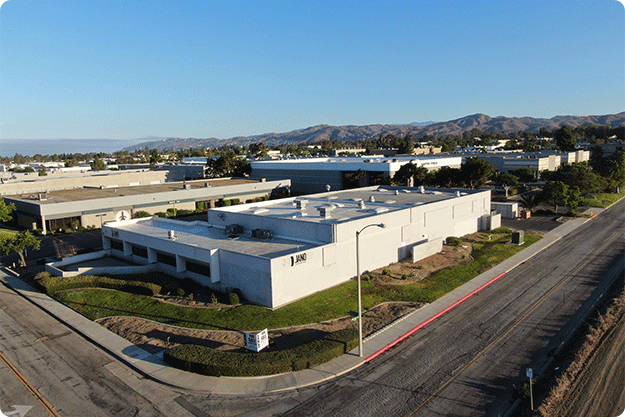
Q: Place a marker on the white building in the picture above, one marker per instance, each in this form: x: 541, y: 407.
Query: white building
x: 309, y: 175
x: 278, y: 251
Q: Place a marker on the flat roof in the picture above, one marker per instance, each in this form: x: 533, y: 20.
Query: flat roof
x: 347, y: 205
x: 203, y: 235
x: 94, y: 193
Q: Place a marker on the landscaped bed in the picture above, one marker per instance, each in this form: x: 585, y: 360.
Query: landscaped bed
x: 408, y: 286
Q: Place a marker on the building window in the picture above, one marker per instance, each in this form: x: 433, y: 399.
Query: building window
x: 166, y: 259
x: 199, y: 268
x: 117, y: 245
x: 140, y: 251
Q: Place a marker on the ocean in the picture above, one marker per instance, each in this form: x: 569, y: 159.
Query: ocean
x: 30, y: 147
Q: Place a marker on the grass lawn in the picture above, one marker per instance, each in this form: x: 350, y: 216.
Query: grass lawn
x: 335, y: 302
x: 610, y: 198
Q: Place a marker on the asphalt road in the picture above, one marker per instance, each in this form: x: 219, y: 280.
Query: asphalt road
x: 46, y: 366
x: 469, y: 362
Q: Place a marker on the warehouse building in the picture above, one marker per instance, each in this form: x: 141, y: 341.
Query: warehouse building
x: 278, y: 251
x: 312, y: 175
x: 92, y: 206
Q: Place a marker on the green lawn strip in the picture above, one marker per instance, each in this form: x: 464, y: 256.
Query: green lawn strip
x: 610, y: 198
x: 335, y: 302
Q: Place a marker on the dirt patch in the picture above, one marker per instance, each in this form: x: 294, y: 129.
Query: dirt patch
x: 154, y: 337
x: 407, y: 272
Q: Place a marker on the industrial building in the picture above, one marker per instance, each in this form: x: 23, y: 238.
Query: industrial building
x: 278, y: 251
x: 312, y: 175
x: 92, y: 206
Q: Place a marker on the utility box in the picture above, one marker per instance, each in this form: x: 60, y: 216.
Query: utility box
x: 518, y: 237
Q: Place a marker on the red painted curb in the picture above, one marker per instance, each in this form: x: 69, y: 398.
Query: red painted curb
x: 431, y: 319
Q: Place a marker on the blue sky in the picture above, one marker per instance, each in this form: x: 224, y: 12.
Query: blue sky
x: 131, y: 69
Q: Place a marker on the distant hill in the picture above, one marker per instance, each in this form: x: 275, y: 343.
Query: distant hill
x: 320, y: 133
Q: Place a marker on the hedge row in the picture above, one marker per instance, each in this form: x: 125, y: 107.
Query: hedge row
x: 207, y: 361
x: 51, y: 284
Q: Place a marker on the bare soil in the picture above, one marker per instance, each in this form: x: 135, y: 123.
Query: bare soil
x: 154, y: 337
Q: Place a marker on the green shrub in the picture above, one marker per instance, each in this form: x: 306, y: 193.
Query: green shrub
x: 453, y: 241
x: 180, y: 292
x: 140, y: 214
x: 233, y: 298
x: 214, y: 299
x: 235, y: 201
x: 51, y: 285
x: 207, y: 361
x: 199, y: 205
x: 501, y: 230
x: 386, y: 272
x: 227, y: 203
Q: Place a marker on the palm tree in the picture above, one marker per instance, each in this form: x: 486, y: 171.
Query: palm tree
x: 529, y: 201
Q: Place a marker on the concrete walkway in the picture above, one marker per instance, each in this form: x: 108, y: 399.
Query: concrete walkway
x: 153, y: 366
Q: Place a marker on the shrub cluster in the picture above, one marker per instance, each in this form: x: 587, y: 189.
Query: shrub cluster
x: 453, y: 241
x: 207, y: 361
x: 51, y: 285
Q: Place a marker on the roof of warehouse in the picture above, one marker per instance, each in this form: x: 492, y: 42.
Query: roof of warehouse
x: 94, y: 193
x: 348, y: 204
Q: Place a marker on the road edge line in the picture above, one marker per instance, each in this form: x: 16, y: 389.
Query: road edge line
x: 434, y: 317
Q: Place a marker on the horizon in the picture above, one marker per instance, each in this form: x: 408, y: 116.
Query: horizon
x: 194, y: 69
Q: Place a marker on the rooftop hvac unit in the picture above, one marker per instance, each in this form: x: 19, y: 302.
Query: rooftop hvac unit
x: 300, y: 204
x: 234, y: 229
x: 262, y: 234
x: 325, y: 212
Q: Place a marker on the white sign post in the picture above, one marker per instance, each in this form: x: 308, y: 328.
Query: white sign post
x: 256, y: 341
x: 530, y: 374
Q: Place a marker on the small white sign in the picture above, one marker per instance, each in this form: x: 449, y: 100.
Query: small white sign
x: 257, y: 341
x: 529, y: 373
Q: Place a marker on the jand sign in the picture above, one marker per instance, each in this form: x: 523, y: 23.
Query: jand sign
x: 299, y: 258
x: 256, y: 341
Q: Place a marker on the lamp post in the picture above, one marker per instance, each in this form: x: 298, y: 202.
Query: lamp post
x: 380, y: 225
x: 174, y: 203
x: 101, y: 220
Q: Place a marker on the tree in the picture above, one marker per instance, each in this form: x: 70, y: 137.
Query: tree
x: 18, y: 243
x: 555, y: 192
x: 565, y: 138
x: 408, y: 171
x: 613, y: 170
x: 6, y: 210
x: 529, y: 201
x: 155, y: 157
x: 505, y: 180
x: 476, y: 172
x: 97, y: 164
x: 523, y: 174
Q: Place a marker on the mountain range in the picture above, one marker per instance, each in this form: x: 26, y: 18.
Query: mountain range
x: 319, y: 133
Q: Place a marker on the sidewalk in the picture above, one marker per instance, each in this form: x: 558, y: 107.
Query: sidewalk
x: 153, y: 366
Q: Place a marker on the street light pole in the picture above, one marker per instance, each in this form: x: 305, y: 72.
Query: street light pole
x: 381, y: 225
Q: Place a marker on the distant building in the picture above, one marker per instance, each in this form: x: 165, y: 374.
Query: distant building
x: 313, y: 175
x: 92, y: 206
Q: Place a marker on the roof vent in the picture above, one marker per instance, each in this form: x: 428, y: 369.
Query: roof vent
x: 422, y: 189
x: 362, y: 204
x: 172, y: 235
x: 371, y: 199
x: 457, y: 193
x: 262, y: 234
x: 325, y: 212
x: 234, y: 229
